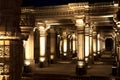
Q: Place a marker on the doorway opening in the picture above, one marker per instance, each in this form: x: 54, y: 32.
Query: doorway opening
x: 109, y: 44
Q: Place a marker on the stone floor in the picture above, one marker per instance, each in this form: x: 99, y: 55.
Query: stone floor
x: 101, y: 67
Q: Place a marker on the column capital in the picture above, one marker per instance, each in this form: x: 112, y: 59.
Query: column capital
x: 79, y: 22
x: 42, y: 27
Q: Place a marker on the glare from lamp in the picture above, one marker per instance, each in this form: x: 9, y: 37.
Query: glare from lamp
x: 65, y: 54
x: 116, y: 4
x: 52, y: 57
x: 87, y: 6
x: 94, y: 54
x: 42, y: 45
x: 94, y: 45
x: 42, y: 59
x: 86, y: 59
x: 118, y: 26
x: 80, y: 64
x: 27, y: 62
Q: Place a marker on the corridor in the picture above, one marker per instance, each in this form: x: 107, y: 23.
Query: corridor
x: 100, y: 70
x: 74, y: 41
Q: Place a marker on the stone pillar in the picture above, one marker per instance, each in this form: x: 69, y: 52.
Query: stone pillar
x: 102, y: 44
x: 42, y: 27
x: 52, y: 45
x: 95, y: 45
x: 87, y: 43
x: 73, y: 45
x: 91, y: 45
x: 98, y: 44
x: 9, y: 30
x: 36, y: 46
x: 64, y: 44
x: 29, y: 53
x: 81, y: 66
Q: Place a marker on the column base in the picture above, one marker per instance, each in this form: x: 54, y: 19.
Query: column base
x: 28, y: 66
x: 41, y: 64
x: 52, y: 62
x: 27, y: 69
x: 81, y: 71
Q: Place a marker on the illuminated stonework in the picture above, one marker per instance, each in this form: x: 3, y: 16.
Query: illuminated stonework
x: 4, y: 56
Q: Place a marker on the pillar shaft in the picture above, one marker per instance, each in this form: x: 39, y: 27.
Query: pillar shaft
x: 81, y: 66
x: 42, y: 27
x: 98, y: 44
x: 91, y: 46
x: 87, y: 43
x: 29, y: 53
x: 64, y: 44
x: 29, y: 47
x: 52, y: 45
x: 80, y: 41
x: 42, y: 57
x: 95, y: 45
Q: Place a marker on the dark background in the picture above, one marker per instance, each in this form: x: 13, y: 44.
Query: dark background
x: 57, y: 2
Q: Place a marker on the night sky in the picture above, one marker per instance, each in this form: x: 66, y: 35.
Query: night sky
x: 56, y: 2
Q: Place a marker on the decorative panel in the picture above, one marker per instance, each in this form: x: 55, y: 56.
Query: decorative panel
x: 4, y: 59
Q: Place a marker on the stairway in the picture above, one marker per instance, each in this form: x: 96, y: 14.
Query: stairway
x: 106, y: 58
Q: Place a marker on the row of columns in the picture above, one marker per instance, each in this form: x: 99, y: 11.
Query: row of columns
x: 86, y: 45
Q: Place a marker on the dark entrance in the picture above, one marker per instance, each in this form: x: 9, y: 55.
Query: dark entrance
x: 109, y: 44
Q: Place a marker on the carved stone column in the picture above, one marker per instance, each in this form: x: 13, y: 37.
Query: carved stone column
x: 42, y: 42
x: 87, y: 43
x: 29, y: 53
x: 52, y: 45
x: 95, y: 45
x: 81, y: 66
x: 98, y: 44
x: 91, y: 43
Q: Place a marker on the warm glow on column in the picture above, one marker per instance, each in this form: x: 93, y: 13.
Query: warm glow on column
x: 94, y: 45
x: 74, y: 46
x: 86, y: 46
x: 60, y: 47
x: 42, y: 45
x: 27, y: 62
x: 52, y: 44
x: 28, y: 45
x: 91, y: 44
x: 118, y: 52
x: 31, y: 46
x: 52, y: 47
x: 98, y: 43
x: 104, y: 44
x: 80, y: 39
x: 74, y: 43
x: 80, y: 46
x: 79, y: 22
x: 65, y: 45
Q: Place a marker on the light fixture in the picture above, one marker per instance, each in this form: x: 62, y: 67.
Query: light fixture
x: 27, y: 62
x: 51, y: 57
x: 80, y: 64
x: 65, y: 54
x: 42, y: 59
x: 118, y: 26
x: 116, y: 4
